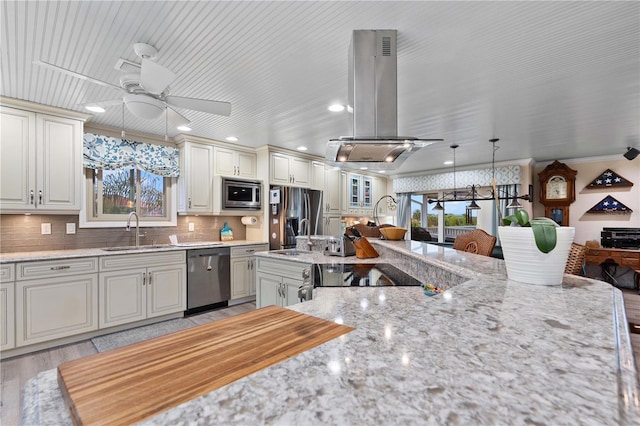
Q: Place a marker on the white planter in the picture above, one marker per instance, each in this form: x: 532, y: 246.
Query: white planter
x: 527, y: 264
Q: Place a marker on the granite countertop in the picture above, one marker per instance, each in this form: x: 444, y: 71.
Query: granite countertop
x: 486, y: 351
x: 92, y: 252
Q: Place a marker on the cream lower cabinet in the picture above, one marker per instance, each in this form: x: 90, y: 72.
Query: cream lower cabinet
x: 243, y: 279
x: 129, y: 292
x: 278, y: 281
x: 7, y: 303
x: 61, y: 302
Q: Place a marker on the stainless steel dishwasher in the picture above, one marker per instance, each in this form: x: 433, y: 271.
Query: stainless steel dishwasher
x: 208, y: 279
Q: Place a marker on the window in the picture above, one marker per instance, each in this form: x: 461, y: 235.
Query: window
x: 458, y: 219
x: 423, y: 218
x: 126, y: 176
x: 113, y: 194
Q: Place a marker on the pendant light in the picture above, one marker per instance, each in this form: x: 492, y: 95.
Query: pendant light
x: 514, y: 204
x: 438, y: 207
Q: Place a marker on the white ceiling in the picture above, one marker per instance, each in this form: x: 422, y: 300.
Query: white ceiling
x: 552, y: 80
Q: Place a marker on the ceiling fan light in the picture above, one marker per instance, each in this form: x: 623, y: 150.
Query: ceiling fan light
x: 144, y: 107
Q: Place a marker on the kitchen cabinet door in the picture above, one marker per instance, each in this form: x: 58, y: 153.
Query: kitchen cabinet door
x: 229, y: 162
x: 166, y: 290
x: 195, y: 182
x: 241, y: 277
x: 333, y: 191
x: 289, y: 170
x: 268, y: 290
x: 317, y: 176
x: 17, y: 159
x: 52, y: 308
x: 41, y: 159
x: 290, y: 291
x: 123, y: 297
x: 332, y: 225
x: 7, y: 316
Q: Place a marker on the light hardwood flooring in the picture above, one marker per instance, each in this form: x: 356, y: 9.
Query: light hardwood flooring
x: 15, y: 372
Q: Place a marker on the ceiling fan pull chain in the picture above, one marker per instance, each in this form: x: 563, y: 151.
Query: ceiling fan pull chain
x: 122, y: 134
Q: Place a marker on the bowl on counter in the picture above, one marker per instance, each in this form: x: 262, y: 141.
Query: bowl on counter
x: 393, y: 232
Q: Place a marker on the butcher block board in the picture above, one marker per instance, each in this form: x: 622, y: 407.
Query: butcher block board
x: 132, y: 383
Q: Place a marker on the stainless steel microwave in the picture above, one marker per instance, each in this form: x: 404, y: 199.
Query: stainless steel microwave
x: 241, y: 194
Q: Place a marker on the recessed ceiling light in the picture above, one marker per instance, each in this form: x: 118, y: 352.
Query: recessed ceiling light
x: 95, y: 108
x: 302, y: 148
x: 364, y: 168
x: 184, y: 128
x: 336, y: 108
x: 382, y: 171
x: 232, y: 139
x: 447, y: 163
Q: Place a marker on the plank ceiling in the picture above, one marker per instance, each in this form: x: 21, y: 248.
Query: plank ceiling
x: 552, y: 80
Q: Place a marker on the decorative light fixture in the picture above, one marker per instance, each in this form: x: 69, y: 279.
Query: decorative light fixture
x: 471, y: 192
x: 375, y: 207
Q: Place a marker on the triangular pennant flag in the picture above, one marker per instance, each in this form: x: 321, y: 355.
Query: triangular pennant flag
x: 610, y: 205
x: 609, y: 178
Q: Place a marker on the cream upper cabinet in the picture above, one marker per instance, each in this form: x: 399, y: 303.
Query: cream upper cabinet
x: 40, y: 162
x: 230, y: 162
x: 380, y: 190
x: 317, y: 175
x: 333, y: 191
x: 289, y: 170
x: 195, y: 183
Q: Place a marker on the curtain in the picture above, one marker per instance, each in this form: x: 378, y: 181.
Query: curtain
x: 404, y: 207
x: 103, y: 152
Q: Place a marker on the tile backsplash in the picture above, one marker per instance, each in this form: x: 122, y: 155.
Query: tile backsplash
x: 19, y: 233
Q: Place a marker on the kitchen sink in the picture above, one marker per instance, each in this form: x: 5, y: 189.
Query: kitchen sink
x: 146, y: 247
x: 290, y: 252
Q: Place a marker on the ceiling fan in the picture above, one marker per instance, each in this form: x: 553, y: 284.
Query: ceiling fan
x: 146, y: 93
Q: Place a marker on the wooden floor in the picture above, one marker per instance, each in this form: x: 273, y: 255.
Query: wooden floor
x: 15, y: 372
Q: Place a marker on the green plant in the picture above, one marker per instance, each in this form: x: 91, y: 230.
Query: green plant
x: 544, y: 229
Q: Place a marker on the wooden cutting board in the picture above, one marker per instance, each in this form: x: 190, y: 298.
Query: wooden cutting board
x: 129, y: 384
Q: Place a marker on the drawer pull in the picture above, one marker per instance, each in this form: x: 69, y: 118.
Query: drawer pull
x: 57, y: 268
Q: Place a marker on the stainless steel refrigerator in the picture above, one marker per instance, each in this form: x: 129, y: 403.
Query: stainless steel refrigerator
x: 288, y: 206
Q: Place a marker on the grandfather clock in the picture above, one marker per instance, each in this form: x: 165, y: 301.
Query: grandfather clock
x: 557, y: 191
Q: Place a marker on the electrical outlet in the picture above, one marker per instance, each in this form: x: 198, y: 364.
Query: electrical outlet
x: 192, y: 226
x: 45, y: 228
x: 71, y: 228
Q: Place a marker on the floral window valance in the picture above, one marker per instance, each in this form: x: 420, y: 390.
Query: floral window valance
x: 103, y: 152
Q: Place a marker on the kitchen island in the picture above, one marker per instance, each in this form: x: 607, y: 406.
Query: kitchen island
x: 486, y: 351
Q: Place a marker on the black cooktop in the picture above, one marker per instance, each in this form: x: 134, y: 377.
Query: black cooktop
x: 361, y: 275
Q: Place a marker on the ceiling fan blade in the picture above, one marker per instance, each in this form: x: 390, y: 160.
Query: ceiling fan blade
x: 155, y: 78
x: 203, y: 105
x: 176, y: 119
x: 76, y: 75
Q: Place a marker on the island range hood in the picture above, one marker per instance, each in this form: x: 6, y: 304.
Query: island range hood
x: 373, y: 92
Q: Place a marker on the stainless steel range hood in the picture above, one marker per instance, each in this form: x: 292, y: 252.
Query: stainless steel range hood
x: 373, y: 92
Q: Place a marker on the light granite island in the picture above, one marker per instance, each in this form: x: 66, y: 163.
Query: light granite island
x: 486, y: 351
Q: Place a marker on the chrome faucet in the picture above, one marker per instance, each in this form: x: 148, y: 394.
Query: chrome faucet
x: 309, y: 243
x: 137, y: 226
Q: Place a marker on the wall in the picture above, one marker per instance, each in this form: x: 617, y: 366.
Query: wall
x: 588, y: 225
x: 22, y: 232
